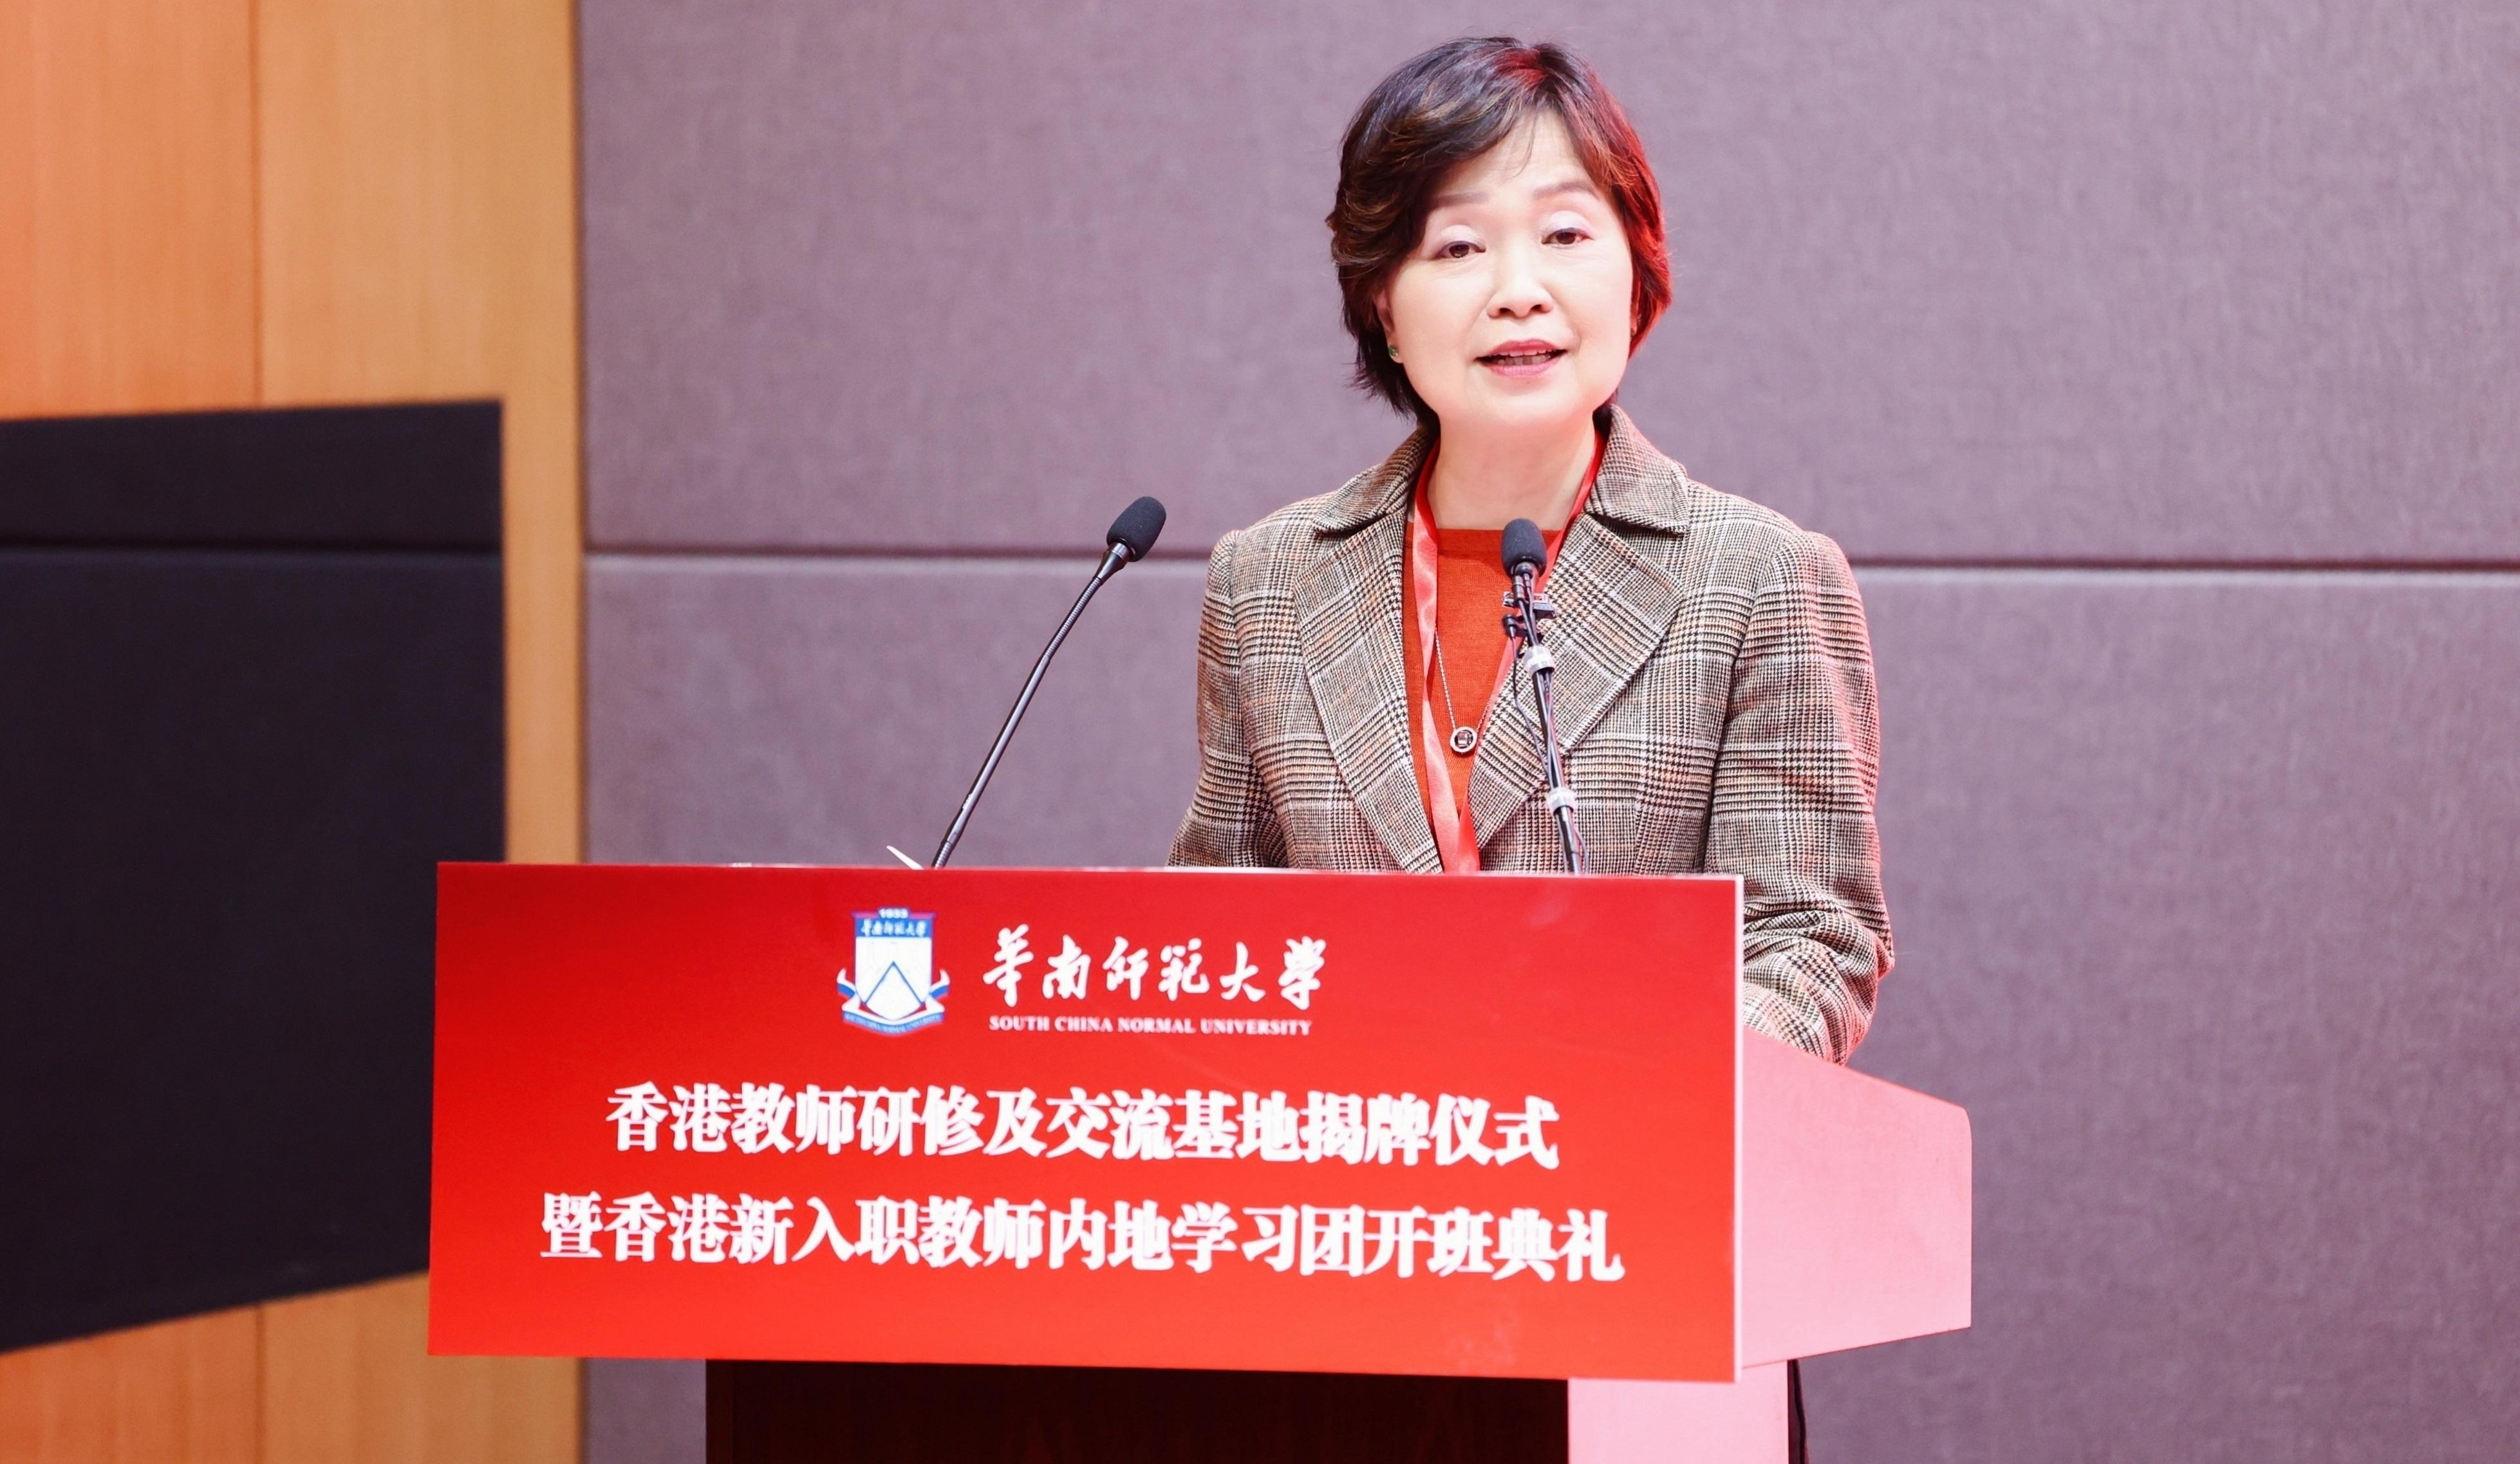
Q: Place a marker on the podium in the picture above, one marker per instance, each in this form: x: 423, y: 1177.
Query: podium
x: 1046, y: 1164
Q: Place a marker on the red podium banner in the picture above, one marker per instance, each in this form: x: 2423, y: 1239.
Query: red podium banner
x: 1164, y: 1117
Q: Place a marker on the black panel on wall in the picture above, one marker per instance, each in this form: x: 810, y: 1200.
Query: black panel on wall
x: 250, y: 696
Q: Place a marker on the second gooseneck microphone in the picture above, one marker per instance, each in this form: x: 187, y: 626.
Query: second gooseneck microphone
x: 1526, y: 555
x: 1131, y: 535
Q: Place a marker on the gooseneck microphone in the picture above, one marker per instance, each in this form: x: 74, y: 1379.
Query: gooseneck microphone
x: 1131, y: 534
x: 1526, y: 553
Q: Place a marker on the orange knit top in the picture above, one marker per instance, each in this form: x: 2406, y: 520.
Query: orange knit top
x: 1469, y: 627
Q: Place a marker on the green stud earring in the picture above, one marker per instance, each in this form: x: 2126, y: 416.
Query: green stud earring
x: 1393, y: 349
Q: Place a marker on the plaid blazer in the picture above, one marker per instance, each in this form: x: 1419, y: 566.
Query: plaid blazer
x: 1714, y: 694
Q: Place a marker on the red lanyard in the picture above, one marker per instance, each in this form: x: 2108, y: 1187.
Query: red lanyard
x: 1457, y: 836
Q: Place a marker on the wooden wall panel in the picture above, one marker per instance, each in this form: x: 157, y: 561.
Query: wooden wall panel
x: 418, y: 240
x: 126, y: 205
x: 218, y: 202
x: 181, y: 1391
x: 344, y: 1376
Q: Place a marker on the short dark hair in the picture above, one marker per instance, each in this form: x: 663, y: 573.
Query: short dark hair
x: 1440, y: 110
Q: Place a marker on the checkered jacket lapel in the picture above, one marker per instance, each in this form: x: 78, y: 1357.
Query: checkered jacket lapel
x: 1347, y: 612
x: 1615, y: 598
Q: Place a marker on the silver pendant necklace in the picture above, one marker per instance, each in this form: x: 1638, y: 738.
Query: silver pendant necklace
x: 1464, y: 738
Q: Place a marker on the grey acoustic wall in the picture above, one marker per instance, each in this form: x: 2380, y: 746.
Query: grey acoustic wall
x: 2202, y: 882
x: 2156, y: 363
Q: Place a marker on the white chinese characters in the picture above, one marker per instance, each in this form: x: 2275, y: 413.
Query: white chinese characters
x: 1378, y: 1128
x: 1179, y: 971
x: 944, y: 1231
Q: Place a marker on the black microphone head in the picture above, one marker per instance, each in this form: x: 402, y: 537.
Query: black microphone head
x: 1523, y: 547
x: 1137, y: 527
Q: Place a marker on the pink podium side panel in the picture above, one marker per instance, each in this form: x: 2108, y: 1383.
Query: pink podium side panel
x: 1855, y: 1208
x: 1667, y: 1423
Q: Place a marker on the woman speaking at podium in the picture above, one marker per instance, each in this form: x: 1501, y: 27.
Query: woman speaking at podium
x: 1498, y: 240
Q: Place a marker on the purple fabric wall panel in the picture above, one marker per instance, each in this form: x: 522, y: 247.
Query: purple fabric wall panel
x: 641, y: 1410
x: 2202, y: 881
x: 1964, y: 280
x: 815, y: 710
x: 2202, y: 889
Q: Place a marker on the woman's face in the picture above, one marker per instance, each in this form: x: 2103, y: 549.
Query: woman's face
x: 1514, y: 309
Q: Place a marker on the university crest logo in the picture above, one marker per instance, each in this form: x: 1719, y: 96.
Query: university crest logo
x: 897, y: 988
